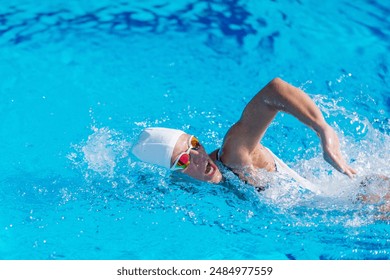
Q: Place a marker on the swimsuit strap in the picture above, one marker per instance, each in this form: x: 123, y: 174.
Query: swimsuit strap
x: 218, y: 156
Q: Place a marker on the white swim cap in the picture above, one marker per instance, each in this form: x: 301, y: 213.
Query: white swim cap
x: 155, y: 145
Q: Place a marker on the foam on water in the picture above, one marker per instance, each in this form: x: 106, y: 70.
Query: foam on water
x: 101, y: 152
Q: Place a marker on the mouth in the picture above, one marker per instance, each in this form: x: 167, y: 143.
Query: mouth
x: 210, y: 169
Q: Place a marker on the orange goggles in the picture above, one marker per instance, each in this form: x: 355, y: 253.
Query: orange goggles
x: 183, y: 160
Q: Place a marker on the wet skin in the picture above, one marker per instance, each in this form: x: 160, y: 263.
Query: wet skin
x: 201, y: 167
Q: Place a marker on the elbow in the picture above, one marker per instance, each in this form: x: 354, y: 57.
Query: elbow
x: 274, y: 87
x: 275, y: 83
x: 273, y: 94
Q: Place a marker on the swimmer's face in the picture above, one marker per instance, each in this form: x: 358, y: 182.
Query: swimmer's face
x: 201, y: 166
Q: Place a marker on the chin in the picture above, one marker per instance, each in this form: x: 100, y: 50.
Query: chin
x: 217, y: 178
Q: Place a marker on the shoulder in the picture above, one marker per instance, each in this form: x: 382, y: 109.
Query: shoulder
x: 214, y: 154
x: 234, y: 155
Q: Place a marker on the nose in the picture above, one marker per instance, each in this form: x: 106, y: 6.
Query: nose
x: 196, y: 157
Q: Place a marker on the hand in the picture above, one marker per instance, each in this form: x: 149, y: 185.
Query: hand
x: 331, y: 149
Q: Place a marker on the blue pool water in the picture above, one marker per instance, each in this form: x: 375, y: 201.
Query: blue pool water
x: 79, y: 81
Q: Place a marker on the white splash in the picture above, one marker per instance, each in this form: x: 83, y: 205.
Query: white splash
x: 102, y: 151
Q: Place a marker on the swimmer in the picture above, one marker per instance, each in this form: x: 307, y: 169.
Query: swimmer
x: 242, y: 151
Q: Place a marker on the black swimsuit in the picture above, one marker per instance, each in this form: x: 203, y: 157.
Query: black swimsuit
x: 235, y: 173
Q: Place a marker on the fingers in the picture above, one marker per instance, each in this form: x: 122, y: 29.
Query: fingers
x: 353, y: 171
x: 350, y: 172
x: 346, y: 169
x: 338, y: 162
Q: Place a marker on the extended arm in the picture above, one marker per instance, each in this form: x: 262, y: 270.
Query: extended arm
x: 280, y: 96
